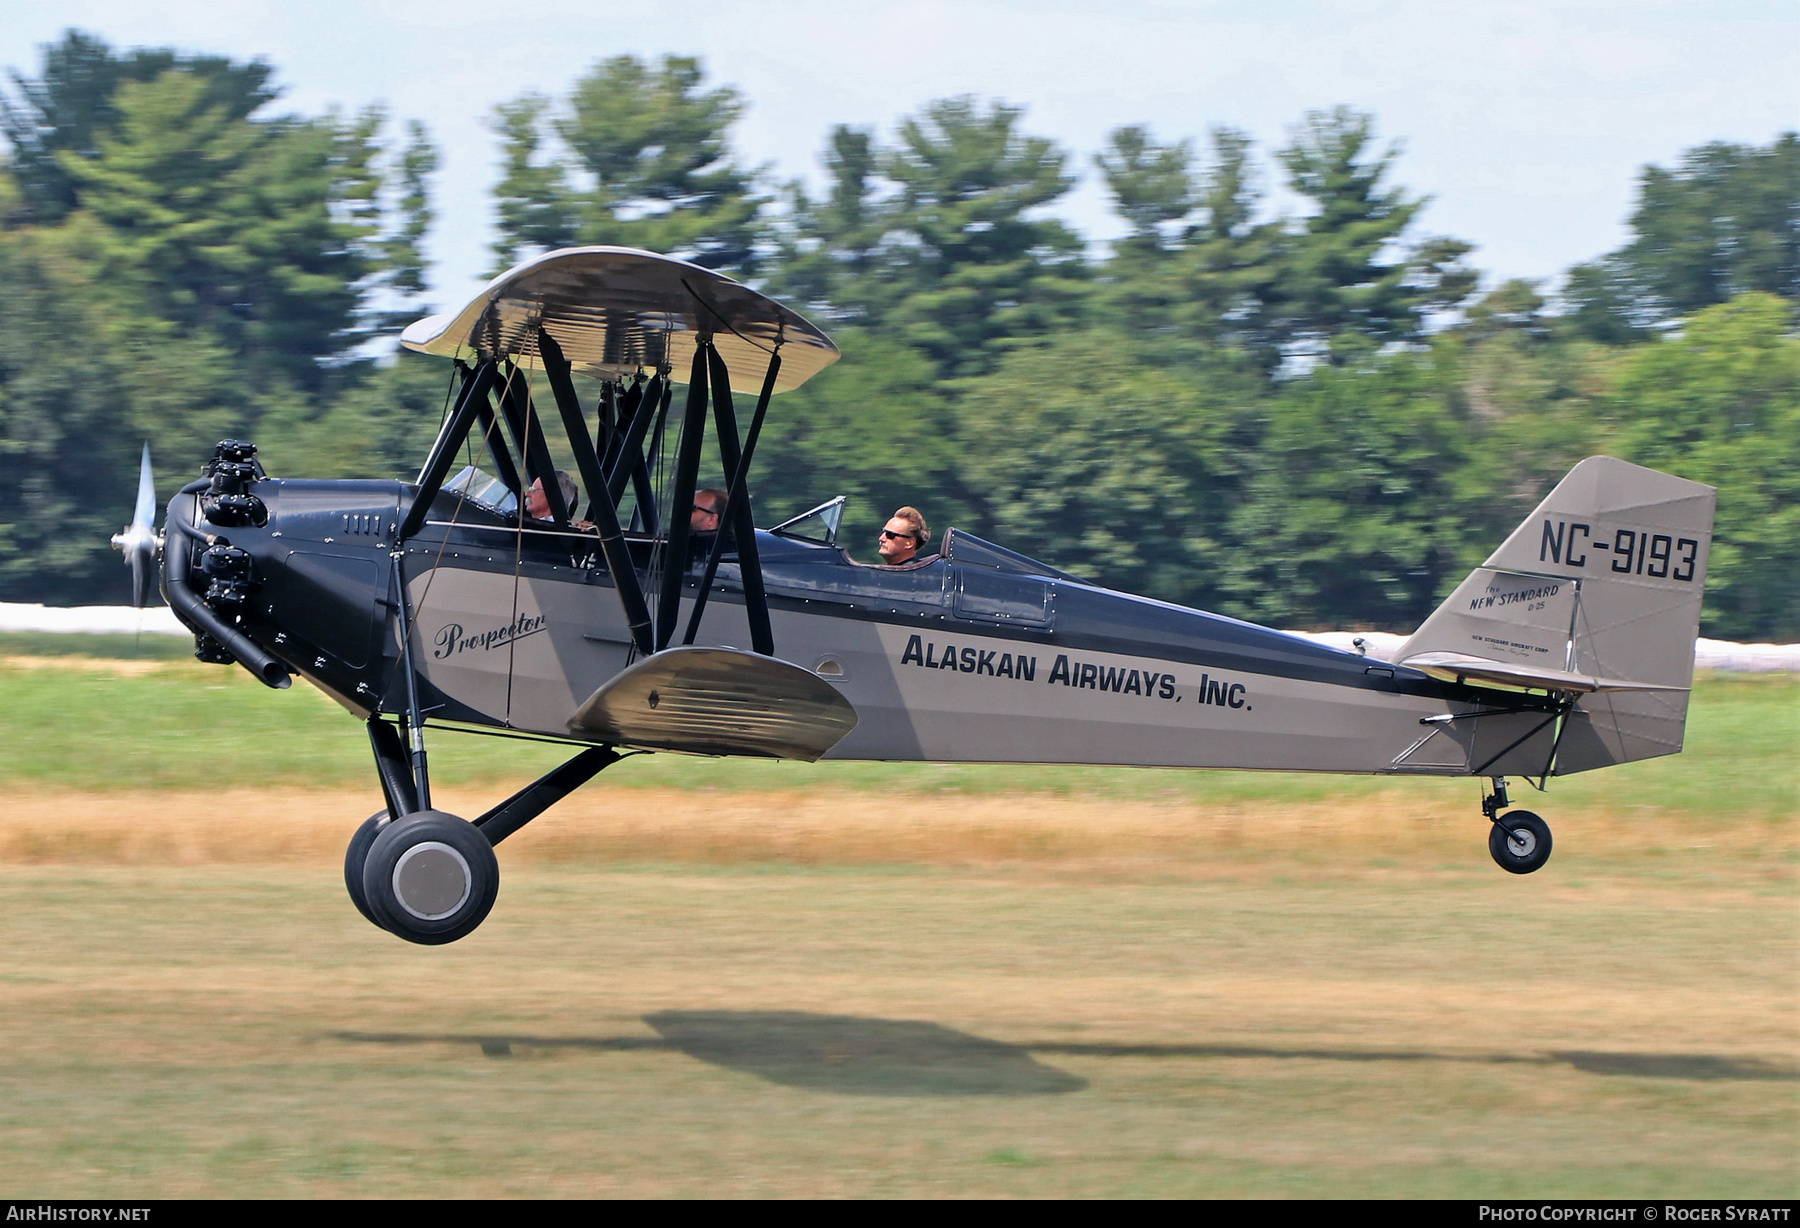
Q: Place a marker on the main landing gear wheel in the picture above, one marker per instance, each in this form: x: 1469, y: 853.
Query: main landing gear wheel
x: 430, y: 877
x: 354, y: 859
x: 1519, y: 841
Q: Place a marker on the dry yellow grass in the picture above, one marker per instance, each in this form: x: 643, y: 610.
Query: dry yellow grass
x: 842, y: 827
x: 111, y: 666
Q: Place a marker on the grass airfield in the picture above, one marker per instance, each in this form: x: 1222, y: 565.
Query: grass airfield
x: 863, y: 980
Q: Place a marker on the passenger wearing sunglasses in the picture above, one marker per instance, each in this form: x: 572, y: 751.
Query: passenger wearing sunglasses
x: 709, y: 505
x: 705, y: 523
x: 903, y: 538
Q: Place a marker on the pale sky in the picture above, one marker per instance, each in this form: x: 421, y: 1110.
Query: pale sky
x: 1525, y: 121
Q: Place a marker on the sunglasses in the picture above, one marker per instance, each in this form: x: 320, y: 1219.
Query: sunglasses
x: 887, y: 533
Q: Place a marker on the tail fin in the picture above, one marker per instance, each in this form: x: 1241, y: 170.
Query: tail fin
x: 1597, y: 594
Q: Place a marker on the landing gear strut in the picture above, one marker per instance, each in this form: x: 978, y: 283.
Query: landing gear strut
x: 430, y: 877
x: 419, y: 873
x: 1519, y: 840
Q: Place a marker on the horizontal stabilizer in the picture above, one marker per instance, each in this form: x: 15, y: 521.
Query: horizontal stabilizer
x: 1478, y: 671
x: 718, y: 701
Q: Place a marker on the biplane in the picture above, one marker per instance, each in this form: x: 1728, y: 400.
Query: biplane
x: 483, y: 597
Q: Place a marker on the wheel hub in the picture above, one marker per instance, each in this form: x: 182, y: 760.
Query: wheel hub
x: 1521, y: 842
x: 432, y: 880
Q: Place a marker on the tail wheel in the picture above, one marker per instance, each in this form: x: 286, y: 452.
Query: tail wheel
x: 430, y: 878
x: 1519, y: 842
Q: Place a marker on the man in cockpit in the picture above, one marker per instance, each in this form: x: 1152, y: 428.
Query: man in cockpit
x: 709, y: 505
x: 537, y: 503
x: 905, y: 536
x: 704, y: 523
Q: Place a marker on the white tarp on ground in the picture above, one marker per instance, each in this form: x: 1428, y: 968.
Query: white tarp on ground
x: 90, y: 619
x: 123, y: 620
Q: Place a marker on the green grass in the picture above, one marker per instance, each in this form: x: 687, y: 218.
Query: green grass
x: 115, y: 647
x: 191, y: 724
x: 44, y: 643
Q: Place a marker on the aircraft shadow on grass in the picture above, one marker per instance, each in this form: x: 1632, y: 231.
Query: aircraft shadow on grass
x: 852, y: 1055
x: 845, y: 1054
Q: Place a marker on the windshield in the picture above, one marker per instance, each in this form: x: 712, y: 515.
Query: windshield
x: 479, y: 486
x: 818, y: 525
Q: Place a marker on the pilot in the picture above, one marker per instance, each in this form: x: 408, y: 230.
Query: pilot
x: 904, y: 537
x: 537, y: 503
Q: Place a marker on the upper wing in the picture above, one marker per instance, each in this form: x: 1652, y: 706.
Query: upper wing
x: 616, y: 310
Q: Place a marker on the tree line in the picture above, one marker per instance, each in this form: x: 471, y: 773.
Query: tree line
x: 1315, y: 417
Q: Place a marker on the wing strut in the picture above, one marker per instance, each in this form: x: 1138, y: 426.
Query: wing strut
x: 638, y: 410
x: 612, y: 538
x: 606, y: 437
x: 471, y: 399
x: 737, y: 514
x: 617, y: 405
x: 556, y: 369
x: 496, y: 448
x: 681, y: 500
x: 515, y: 403
x: 641, y: 476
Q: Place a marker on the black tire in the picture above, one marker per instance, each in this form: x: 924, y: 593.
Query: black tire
x: 430, y: 878
x: 354, y: 859
x: 1519, y: 842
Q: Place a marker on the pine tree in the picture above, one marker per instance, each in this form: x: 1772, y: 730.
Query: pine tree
x: 213, y: 224
x: 1345, y: 287
x: 967, y: 271
x: 1154, y: 189
x: 641, y: 158
x: 1152, y: 186
x: 829, y: 250
x: 1230, y: 261
x: 71, y: 105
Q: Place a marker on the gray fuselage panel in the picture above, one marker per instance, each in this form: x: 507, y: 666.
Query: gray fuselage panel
x: 524, y: 627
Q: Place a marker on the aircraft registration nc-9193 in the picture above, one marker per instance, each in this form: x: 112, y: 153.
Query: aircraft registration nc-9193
x: 480, y: 597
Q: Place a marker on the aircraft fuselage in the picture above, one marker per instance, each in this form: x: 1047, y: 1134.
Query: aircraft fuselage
x: 963, y: 659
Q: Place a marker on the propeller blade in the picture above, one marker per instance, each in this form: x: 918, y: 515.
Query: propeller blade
x: 140, y: 579
x: 138, y: 542
x: 145, y: 516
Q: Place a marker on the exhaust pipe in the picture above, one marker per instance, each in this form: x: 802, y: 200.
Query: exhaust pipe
x: 200, y: 616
